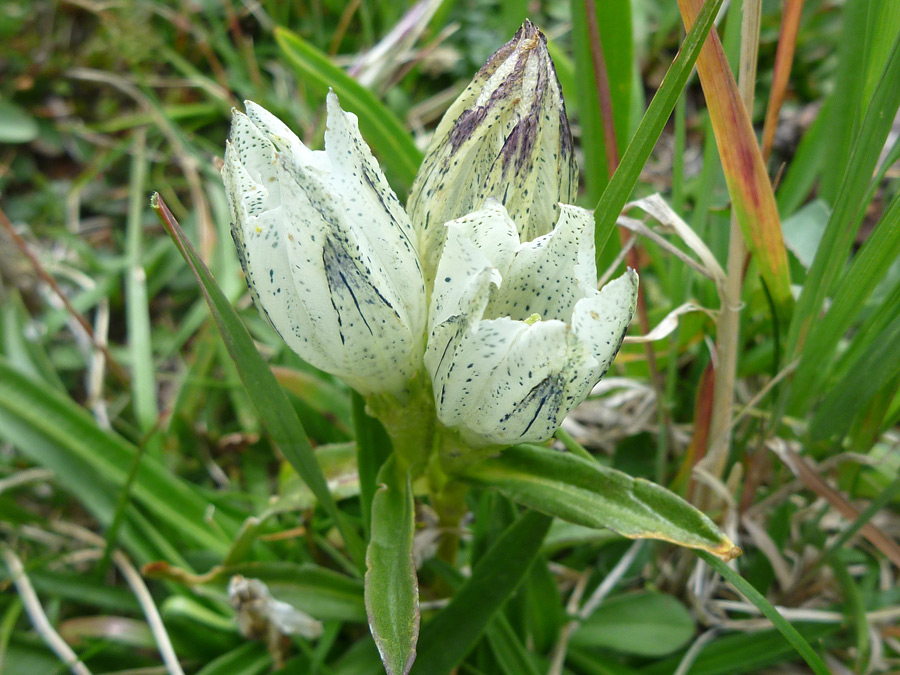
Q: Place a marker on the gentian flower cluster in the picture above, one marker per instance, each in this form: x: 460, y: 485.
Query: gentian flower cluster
x: 478, y: 303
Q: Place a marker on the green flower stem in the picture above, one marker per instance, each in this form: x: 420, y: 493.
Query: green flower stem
x: 410, y: 423
x: 450, y: 505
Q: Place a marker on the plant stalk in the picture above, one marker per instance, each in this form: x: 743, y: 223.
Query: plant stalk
x: 728, y: 325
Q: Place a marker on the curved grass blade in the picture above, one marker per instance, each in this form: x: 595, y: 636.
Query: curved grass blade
x: 587, y: 493
x: 849, y: 205
x: 619, y: 188
x: 448, y: 637
x: 869, y: 267
x: 392, y: 589
x: 269, y: 398
x: 787, y: 630
x: 381, y: 128
x: 875, y: 368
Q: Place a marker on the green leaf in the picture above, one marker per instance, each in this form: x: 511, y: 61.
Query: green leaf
x: 619, y: 188
x: 587, y: 493
x: 16, y: 124
x: 392, y: 590
x: 318, y: 591
x: 372, y: 449
x: 787, y: 630
x: 251, y: 658
x: 513, y: 657
x: 380, y: 127
x: 270, y: 399
x: 644, y: 624
x: 448, y: 637
x: 614, y: 27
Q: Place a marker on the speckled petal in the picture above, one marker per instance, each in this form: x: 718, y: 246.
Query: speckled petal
x: 601, y: 320
x: 551, y: 273
x: 508, y: 359
x: 327, y: 249
x: 466, y: 276
x: 507, y: 383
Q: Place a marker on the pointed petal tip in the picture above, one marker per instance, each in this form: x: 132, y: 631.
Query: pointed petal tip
x: 331, y: 99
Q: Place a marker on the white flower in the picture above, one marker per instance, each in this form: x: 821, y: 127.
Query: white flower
x: 328, y: 251
x: 506, y: 137
x: 519, y: 333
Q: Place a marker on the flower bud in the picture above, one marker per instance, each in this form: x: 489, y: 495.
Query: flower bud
x: 505, y: 137
x: 519, y: 333
x: 328, y: 251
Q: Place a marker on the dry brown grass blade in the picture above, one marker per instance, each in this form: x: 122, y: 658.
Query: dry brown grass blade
x: 784, y: 59
x: 801, y: 468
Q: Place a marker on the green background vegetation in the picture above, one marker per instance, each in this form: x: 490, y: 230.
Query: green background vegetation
x: 135, y: 442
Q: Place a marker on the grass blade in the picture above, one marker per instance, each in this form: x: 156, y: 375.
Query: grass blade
x: 787, y: 630
x: 875, y: 368
x: 849, y: 205
x: 52, y: 430
x: 619, y: 188
x: 269, y: 398
x: 753, y: 201
x: 143, y: 386
x: 880, y: 251
x: 614, y: 25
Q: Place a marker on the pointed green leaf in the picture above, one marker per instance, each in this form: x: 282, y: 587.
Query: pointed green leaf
x: 587, y: 493
x: 785, y: 628
x: 392, y: 590
x: 269, y: 398
x: 448, y: 637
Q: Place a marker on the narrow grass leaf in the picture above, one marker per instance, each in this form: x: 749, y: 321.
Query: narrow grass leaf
x: 270, y: 399
x: 589, y: 494
x: 850, y: 395
x: 392, y: 590
x: 619, y: 188
x: 448, y: 637
x: 744, y: 652
x: 846, y: 105
x: 251, y: 658
x: 785, y: 628
x: 372, y: 449
x: 880, y: 251
x: 381, y: 128
x: 511, y: 654
x: 849, y: 205
x: 319, y: 591
x: 143, y: 383
x: 614, y: 27
x: 753, y: 201
x: 52, y: 430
